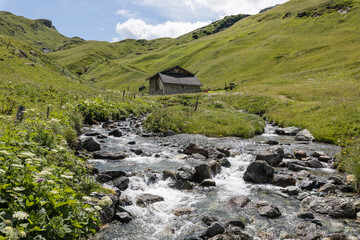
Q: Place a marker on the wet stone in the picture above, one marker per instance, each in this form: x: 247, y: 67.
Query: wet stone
x: 283, y: 180
x: 90, y: 144
x: 317, y: 154
x: 169, y: 174
x: 224, y: 162
x: 182, y: 185
x: 307, y: 184
x: 292, y: 190
x: 137, y: 151
x: 208, y: 220
x: 236, y: 222
x: 214, y: 229
x: 295, y: 167
x: 109, y: 155
x: 215, y: 167
x: 123, y: 217
x: 299, y: 154
x: 259, y: 172
x: 325, y: 158
x: 115, y: 133
x: 239, y: 201
x: 272, y: 155
x: 147, y: 199
x: 121, y: 183
x: 308, y: 231
x: 103, y: 178
x: 202, y: 172
x: 207, y: 183
x: 268, y: 210
x: 115, y: 173
x: 328, y: 188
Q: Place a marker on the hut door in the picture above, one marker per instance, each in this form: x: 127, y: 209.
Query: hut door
x: 157, y: 85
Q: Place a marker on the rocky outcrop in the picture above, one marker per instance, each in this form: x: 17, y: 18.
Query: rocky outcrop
x: 332, y: 206
x: 272, y: 155
x: 259, y: 172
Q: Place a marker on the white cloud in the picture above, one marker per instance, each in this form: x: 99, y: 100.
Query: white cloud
x: 125, y: 13
x: 138, y: 29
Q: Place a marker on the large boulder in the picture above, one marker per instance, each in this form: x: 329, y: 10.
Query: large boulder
x: 314, y: 163
x: 90, y: 144
x: 259, y: 172
x: 109, y: 155
x: 202, y: 172
x: 272, y: 155
x: 147, y: 199
x: 332, y: 206
x: 299, y: 154
x: 215, y: 167
x: 193, y: 148
x: 292, y: 131
x: 304, y: 135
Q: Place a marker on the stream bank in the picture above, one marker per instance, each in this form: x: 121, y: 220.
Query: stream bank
x: 160, y: 196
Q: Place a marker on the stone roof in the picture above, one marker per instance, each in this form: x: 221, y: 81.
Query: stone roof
x: 179, y: 79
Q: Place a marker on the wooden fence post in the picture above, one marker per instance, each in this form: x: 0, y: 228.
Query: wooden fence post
x: 197, y: 102
x: 20, y: 113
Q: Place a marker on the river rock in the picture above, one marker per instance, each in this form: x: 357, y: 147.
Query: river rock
x: 147, y: 199
x: 295, y: 167
x: 239, y: 201
x: 115, y: 173
x: 208, y: 220
x: 109, y: 155
x: 202, y: 172
x: 109, y: 124
x: 169, y: 133
x: 317, y: 154
x: 137, y: 151
x: 183, y: 211
x: 345, y: 188
x: 123, y: 217
x: 272, y: 155
x: 182, y: 184
x: 236, y: 222
x: 259, y: 172
x: 303, y: 214
x: 308, y: 231
x: 307, y: 184
x: 215, y: 229
x: 224, y: 150
x: 328, y: 188
x: 299, y: 154
x: 186, y: 173
x: 314, y: 164
x: 304, y: 135
x: 207, y: 183
x: 107, y: 214
x: 90, y: 144
x: 193, y: 148
x: 115, y: 133
x: 224, y: 162
x: 169, y: 174
x: 291, y: 131
x: 283, y: 180
x: 103, y: 178
x: 101, y: 136
x: 325, y: 158
x: 121, y: 183
x: 292, y: 190
x: 215, y: 167
x: 268, y: 210
x: 332, y: 206
x: 271, y: 142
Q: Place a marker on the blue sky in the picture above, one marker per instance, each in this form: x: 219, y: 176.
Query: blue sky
x: 113, y: 20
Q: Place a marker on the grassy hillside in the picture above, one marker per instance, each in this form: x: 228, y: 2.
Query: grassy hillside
x: 39, y: 33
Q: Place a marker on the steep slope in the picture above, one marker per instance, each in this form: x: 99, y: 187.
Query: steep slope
x: 39, y: 33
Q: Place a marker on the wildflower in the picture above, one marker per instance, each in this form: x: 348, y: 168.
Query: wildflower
x: 26, y: 155
x: 44, y: 173
x: 20, y: 215
x: 98, y: 208
x: 4, y: 152
x: 40, y: 180
x: 54, y: 150
x: 17, y: 165
x: 51, y: 181
x: 107, y: 200
x: 90, y: 209
x: 86, y: 199
x: 2, y: 171
x: 54, y: 192
x: 22, y: 234
x: 18, y: 189
x: 10, y: 232
x: 66, y: 176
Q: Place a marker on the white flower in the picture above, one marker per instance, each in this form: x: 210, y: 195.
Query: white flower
x: 22, y: 234
x: 86, y: 199
x: 17, y: 165
x: 26, y: 155
x: 54, y: 192
x: 4, y: 152
x: 66, y: 176
x: 44, y: 173
x: 9, y: 231
x: 18, y: 189
x: 90, y: 209
x: 98, y: 208
x: 2, y: 171
x: 107, y: 200
x: 20, y: 215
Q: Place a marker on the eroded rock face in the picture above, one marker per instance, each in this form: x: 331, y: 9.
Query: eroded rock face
x: 259, y: 172
x: 272, y: 155
x: 332, y: 206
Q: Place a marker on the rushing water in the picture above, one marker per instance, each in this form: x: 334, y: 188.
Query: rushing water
x: 158, y: 220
